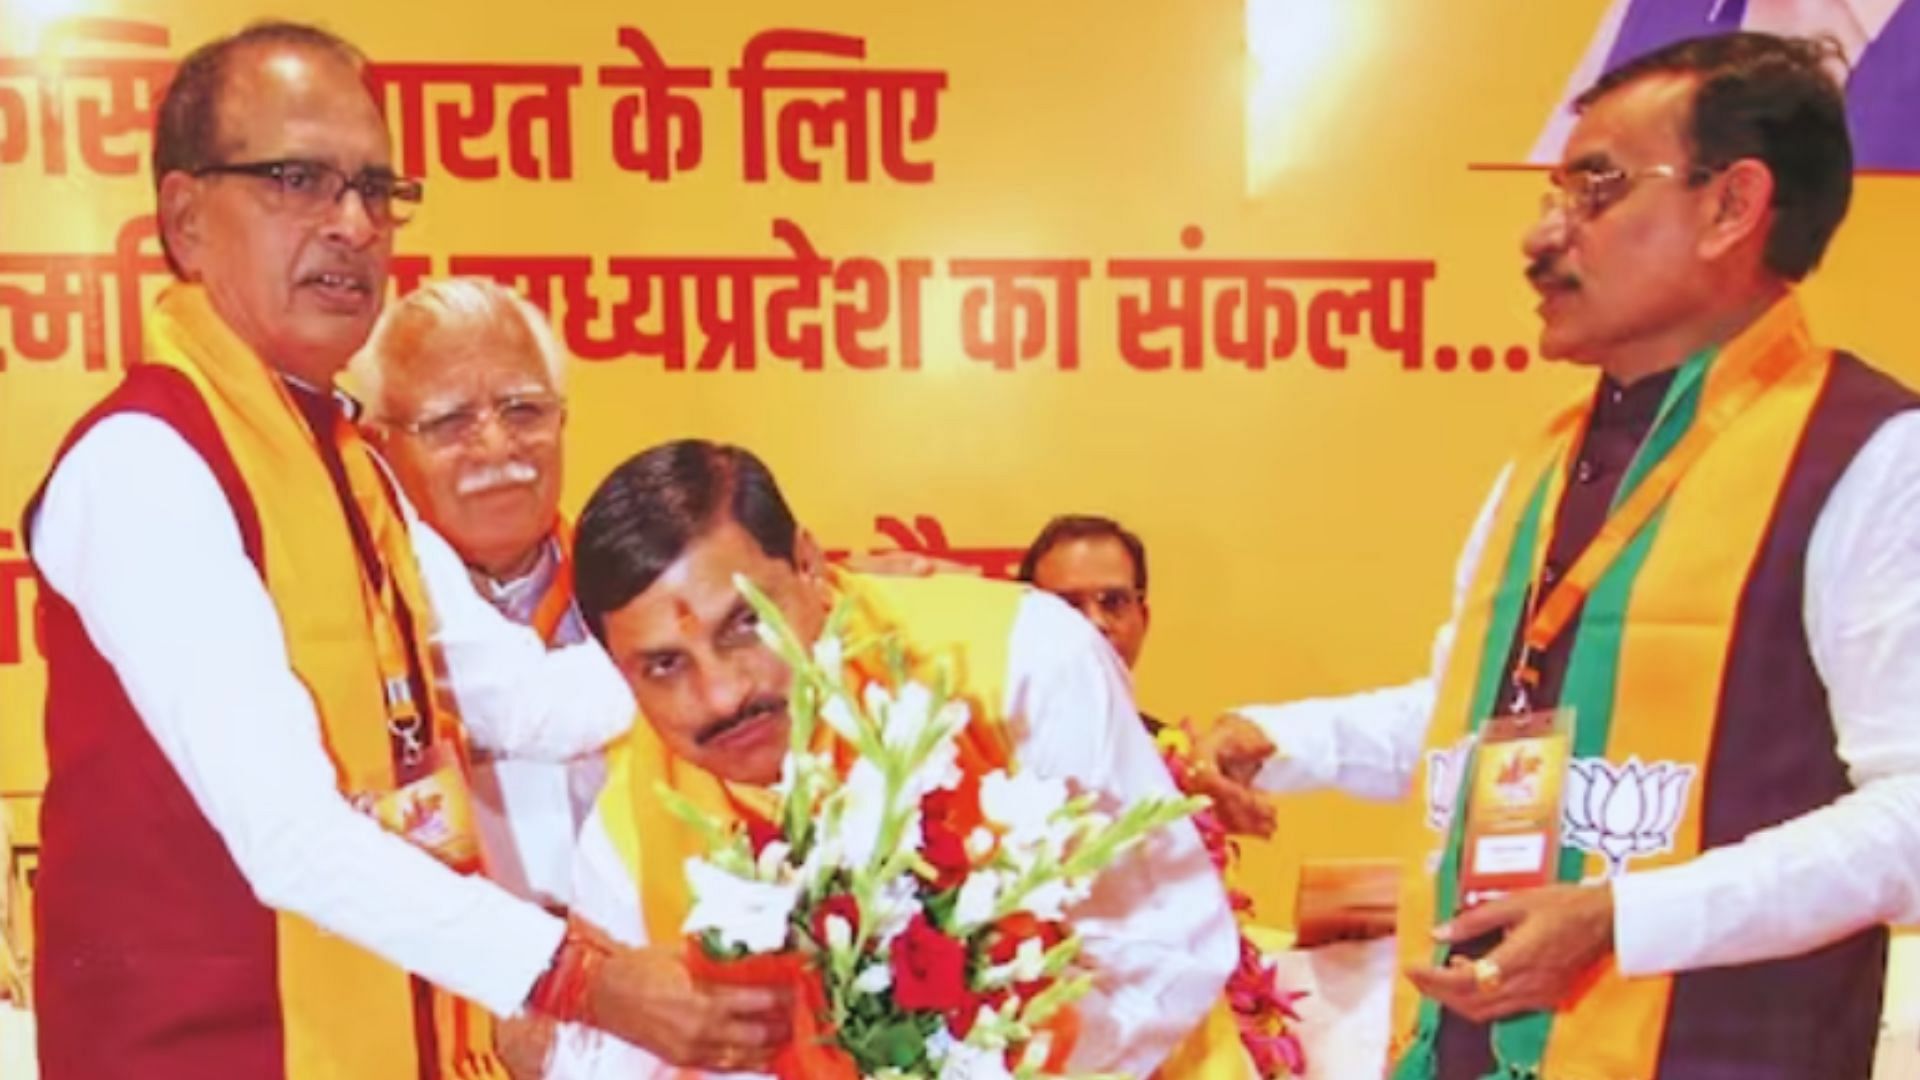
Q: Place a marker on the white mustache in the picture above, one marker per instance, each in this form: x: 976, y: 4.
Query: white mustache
x: 488, y: 477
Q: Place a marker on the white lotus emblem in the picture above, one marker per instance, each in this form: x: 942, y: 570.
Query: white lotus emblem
x: 1624, y: 811
x: 1446, y: 768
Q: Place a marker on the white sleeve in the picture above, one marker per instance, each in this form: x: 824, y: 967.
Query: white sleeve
x: 516, y: 696
x: 1854, y: 863
x: 1367, y: 744
x: 1157, y: 931
x: 136, y: 534
x: 607, y: 896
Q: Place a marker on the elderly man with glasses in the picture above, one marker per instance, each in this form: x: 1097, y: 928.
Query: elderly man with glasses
x: 262, y: 671
x: 463, y: 381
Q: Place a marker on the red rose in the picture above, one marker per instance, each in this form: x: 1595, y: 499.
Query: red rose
x: 946, y: 852
x: 838, y: 904
x: 957, y: 807
x: 960, y: 1019
x: 760, y: 833
x: 1032, y: 988
x: 929, y: 968
x: 1009, y: 932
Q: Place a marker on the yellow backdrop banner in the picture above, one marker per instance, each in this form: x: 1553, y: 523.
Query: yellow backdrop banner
x: 1241, y: 273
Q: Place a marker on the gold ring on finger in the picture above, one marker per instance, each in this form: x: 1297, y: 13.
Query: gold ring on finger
x: 1486, y: 975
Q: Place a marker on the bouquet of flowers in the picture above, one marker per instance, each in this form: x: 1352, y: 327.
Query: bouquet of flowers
x: 910, y: 882
x: 1264, y: 1012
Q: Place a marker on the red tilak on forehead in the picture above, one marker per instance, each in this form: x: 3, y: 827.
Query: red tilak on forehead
x: 683, y: 616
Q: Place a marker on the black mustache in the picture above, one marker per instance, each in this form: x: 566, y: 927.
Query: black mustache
x: 753, y: 710
x: 1541, y: 272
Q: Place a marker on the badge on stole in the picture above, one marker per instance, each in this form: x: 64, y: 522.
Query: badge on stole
x: 434, y: 812
x: 1512, y: 837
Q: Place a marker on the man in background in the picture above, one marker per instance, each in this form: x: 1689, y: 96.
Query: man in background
x: 1100, y: 569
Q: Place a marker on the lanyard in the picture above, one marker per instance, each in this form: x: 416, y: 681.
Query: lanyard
x: 1741, y: 379
x: 402, y: 674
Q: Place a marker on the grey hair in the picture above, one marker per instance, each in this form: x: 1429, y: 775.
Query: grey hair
x: 446, y: 304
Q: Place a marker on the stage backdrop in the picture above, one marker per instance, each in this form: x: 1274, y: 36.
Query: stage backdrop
x: 1242, y: 273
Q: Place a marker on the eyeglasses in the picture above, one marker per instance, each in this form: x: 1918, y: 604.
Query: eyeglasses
x: 1583, y: 194
x: 310, y: 188
x: 1112, y: 602
x: 525, y: 417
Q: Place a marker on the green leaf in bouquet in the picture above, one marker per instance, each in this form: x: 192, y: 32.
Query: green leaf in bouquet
x: 1076, y: 808
x: 939, y: 906
x: 726, y: 848
x: 897, y: 1041
x: 1098, y: 851
x: 717, y: 948
x: 773, y: 625
x: 1061, y: 956
x: 894, y: 653
x: 1066, y: 990
x: 1043, y: 870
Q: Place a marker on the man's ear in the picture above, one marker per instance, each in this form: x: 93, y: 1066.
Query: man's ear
x: 811, y: 562
x: 1743, y: 211
x: 808, y: 558
x: 180, y: 219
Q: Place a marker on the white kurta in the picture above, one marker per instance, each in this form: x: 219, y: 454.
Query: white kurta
x: 136, y: 534
x: 1784, y: 890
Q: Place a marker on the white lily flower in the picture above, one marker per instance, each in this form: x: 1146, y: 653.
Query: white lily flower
x: 1029, y: 963
x: 955, y: 715
x: 829, y: 653
x: 969, y: 1062
x: 979, y: 842
x: 1029, y: 960
x: 839, y: 933
x: 938, y: 771
x: 874, y: 979
x: 979, y: 894
x: 1035, y: 1055
x: 864, y: 815
x: 1023, y: 803
x: 907, y: 717
x: 772, y: 863
x: 823, y: 860
x: 894, y: 906
x: 748, y: 913
x: 878, y: 698
x: 940, y: 1044
x: 1051, y: 900
x: 814, y: 767
x: 837, y: 711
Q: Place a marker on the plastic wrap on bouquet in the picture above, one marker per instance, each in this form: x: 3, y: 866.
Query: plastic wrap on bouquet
x: 812, y: 1054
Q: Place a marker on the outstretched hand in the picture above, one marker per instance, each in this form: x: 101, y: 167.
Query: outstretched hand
x: 1226, y: 757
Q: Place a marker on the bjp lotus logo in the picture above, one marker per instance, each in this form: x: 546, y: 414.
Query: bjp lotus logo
x: 1446, y: 768
x: 1622, y: 812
